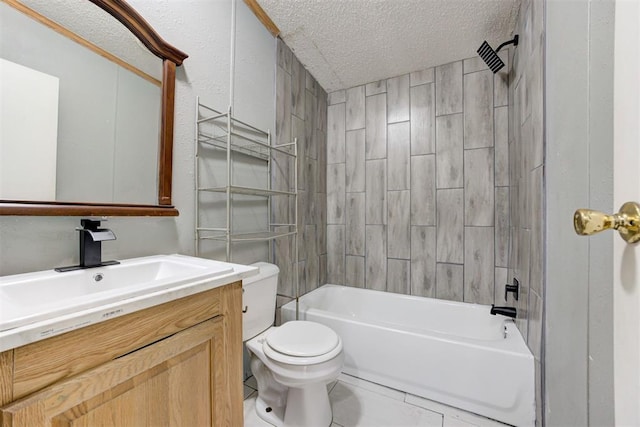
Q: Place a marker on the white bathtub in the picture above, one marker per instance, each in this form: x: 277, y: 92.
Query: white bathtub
x: 454, y: 353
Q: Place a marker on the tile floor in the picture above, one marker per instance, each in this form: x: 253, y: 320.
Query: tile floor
x: 359, y: 403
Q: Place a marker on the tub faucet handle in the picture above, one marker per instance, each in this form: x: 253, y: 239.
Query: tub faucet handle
x: 514, y: 289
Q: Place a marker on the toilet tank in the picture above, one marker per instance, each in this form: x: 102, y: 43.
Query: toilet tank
x: 259, y: 300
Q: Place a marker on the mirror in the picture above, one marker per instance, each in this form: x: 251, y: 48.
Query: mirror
x: 119, y: 170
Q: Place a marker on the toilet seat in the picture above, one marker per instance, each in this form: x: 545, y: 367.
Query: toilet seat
x: 302, y: 343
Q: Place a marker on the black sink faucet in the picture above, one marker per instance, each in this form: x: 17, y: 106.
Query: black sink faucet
x: 505, y: 311
x: 91, y: 238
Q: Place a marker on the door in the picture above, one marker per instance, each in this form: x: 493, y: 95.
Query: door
x: 626, y: 261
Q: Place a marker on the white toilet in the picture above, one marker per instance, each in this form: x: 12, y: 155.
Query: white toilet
x: 292, y: 363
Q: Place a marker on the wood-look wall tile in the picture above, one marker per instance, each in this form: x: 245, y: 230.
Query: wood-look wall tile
x: 284, y: 56
x: 422, y: 77
x: 501, y: 279
x: 501, y: 82
x: 522, y: 268
x: 281, y: 172
x: 280, y: 210
x: 298, y: 83
x: 303, y: 237
x: 376, y: 257
x: 423, y: 190
x: 335, y: 254
x: 311, y: 173
x: 312, y: 266
x: 449, y: 88
x: 450, y: 226
x: 322, y: 161
x: 398, y: 99
x: 479, y: 264
x: 478, y: 187
x: 297, y: 132
x: 355, y: 160
x: 283, y: 107
x: 473, y: 64
x: 501, y: 129
x: 376, y: 191
x: 355, y: 271
x: 311, y: 237
x: 374, y: 88
x: 478, y: 109
x: 310, y: 83
x: 337, y: 97
x: 355, y: 108
x: 311, y: 144
x: 376, y: 126
x: 284, y: 256
x: 321, y: 112
x: 450, y: 282
x: 423, y: 129
x: 301, y: 201
x: 449, y: 151
x: 399, y: 230
x: 423, y: 261
x: 336, y: 194
x: 398, y: 157
x: 302, y: 278
x: 322, y: 271
x: 502, y: 226
x: 534, y: 337
x: 398, y: 276
x: 355, y: 224
x: 335, y: 133
x: 321, y: 230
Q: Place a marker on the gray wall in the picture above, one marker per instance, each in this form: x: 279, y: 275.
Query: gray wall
x: 417, y: 183
x: 203, y: 30
x: 301, y: 112
x: 526, y: 167
x: 578, y: 162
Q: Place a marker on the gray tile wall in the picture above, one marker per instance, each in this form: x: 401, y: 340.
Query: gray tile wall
x: 526, y: 180
x: 301, y: 111
x: 418, y: 183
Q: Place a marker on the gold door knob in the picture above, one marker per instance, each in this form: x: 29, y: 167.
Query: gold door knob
x: 627, y: 222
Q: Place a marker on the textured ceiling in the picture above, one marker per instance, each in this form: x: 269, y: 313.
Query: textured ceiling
x: 345, y: 43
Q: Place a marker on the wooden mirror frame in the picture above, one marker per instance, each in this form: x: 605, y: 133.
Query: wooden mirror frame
x: 171, y: 58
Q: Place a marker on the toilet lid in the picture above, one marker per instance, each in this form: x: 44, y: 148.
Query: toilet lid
x: 301, y: 338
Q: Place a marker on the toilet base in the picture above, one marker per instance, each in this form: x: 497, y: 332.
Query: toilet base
x: 308, y: 407
x: 272, y: 415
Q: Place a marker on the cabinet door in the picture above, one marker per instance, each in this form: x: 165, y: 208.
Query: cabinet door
x: 172, y: 382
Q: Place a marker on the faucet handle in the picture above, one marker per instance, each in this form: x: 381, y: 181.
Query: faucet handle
x: 514, y: 289
x: 97, y: 234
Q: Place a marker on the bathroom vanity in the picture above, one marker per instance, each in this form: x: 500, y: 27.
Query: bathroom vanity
x: 176, y: 362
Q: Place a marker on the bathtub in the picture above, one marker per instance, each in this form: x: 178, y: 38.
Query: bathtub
x: 450, y: 352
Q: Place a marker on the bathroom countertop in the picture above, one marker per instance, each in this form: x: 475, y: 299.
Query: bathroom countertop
x: 37, y: 331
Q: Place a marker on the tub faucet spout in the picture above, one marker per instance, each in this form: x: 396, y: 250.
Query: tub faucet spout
x: 505, y: 311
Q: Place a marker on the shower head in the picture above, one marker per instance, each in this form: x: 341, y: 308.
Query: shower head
x: 490, y: 56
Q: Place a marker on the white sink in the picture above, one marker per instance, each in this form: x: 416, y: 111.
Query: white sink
x: 32, y: 297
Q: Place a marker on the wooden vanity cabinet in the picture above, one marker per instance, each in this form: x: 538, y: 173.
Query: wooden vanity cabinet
x: 175, y: 364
